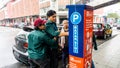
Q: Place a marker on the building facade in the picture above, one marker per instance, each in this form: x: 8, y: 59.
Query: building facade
x: 58, y: 5
x: 17, y: 11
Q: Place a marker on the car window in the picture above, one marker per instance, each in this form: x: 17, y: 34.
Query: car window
x: 97, y: 26
x: 22, y: 36
x: 107, y: 26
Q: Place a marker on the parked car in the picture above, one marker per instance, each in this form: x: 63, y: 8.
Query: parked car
x: 21, y: 25
x: 118, y: 27
x: 102, y: 30
x: 21, y: 45
x: 115, y: 25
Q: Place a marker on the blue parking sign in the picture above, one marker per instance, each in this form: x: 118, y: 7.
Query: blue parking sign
x: 75, y: 18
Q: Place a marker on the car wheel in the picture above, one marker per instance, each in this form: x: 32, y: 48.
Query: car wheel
x: 105, y: 36
x: 110, y: 35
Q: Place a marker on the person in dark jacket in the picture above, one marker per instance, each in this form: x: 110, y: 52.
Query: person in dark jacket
x: 38, y: 43
x: 94, y: 42
x: 95, y: 47
x: 52, y: 31
x: 64, y: 44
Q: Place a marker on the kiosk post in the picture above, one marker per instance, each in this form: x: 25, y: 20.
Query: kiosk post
x: 80, y: 36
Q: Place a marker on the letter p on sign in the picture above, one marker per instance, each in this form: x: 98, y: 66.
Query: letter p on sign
x: 75, y: 18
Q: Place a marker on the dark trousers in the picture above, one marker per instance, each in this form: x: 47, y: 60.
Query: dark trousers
x: 54, y: 58
x: 93, y: 66
x: 65, y: 56
x: 39, y: 63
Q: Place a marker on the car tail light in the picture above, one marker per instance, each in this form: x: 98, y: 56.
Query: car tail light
x: 26, y: 45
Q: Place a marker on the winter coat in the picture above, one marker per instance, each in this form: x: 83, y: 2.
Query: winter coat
x: 52, y: 31
x: 38, y: 42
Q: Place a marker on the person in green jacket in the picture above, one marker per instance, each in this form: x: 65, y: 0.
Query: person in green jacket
x: 38, y: 43
x: 52, y: 31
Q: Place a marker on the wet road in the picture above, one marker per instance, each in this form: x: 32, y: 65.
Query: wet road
x: 7, y: 59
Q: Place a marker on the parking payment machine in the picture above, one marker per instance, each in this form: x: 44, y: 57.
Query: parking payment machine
x: 80, y: 36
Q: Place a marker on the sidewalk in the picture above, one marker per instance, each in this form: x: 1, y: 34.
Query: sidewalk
x: 108, y: 54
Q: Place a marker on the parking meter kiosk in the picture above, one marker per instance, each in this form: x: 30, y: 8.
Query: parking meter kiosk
x: 80, y: 36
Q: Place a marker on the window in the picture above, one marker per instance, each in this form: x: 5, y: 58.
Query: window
x: 97, y: 26
x: 62, y: 8
x: 44, y: 10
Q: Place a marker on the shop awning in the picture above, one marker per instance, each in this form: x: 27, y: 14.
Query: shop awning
x: 102, y: 3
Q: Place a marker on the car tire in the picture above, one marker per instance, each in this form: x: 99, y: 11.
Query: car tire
x: 110, y: 35
x: 104, y: 36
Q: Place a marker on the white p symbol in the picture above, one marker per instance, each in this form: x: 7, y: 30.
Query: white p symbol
x: 75, y: 17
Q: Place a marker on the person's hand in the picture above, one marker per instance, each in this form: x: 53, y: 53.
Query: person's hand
x: 59, y: 30
x: 55, y: 38
x: 62, y: 46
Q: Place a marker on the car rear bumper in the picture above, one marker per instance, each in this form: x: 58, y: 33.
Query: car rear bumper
x: 99, y: 34
x: 118, y: 27
x: 20, y: 56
